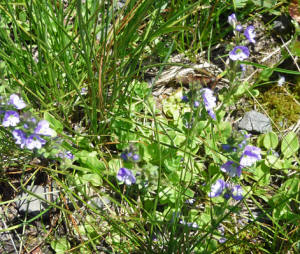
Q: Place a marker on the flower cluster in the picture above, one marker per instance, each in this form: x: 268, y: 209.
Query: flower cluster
x: 130, y: 155
x: 234, y: 191
x: 208, y: 99
x: 241, y: 52
x: 191, y: 225
x: 125, y: 176
x: 249, y: 156
x: 27, y: 131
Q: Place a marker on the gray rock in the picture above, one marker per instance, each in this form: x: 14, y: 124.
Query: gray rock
x: 27, y: 203
x: 98, y: 202
x: 255, y: 122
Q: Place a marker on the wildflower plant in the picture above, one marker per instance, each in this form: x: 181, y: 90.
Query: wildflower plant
x: 183, y: 182
x: 26, y: 130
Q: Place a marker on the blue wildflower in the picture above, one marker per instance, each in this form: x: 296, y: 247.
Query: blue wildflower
x: 196, y: 104
x: 66, y: 155
x: 125, y: 176
x: 250, y: 155
x: 209, y: 101
x: 16, y: 101
x: 232, y: 168
x: 237, y: 192
x: 184, y: 98
x: 11, y: 118
x: 239, y: 28
x: 129, y: 154
x: 239, y: 53
x: 232, y: 20
x: 34, y: 141
x: 217, y: 188
x: 250, y: 34
x: 135, y: 157
x: 228, y: 148
x: 20, y: 137
x: 44, y: 129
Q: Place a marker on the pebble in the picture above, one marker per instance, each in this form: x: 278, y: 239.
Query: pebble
x: 254, y: 121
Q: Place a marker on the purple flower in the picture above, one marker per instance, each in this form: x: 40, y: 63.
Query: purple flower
x: 44, y: 129
x: 83, y: 91
x: 232, y: 168
x: 239, y: 28
x: 20, y: 137
x: 227, y: 147
x: 196, y: 104
x: 184, y: 98
x: 32, y: 119
x: 244, y: 141
x: 135, y: 157
x: 232, y: 20
x: 190, y: 201
x: 66, y: 155
x: 192, y: 225
x: 209, y: 101
x: 126, y: 176
x: 243, y: 67
x: 250, y: 34
x: 34, y: 141
x: 69, y: 155
x: 212, y: 114
x: 222, y: 240
x: 217, y: 188
x: 239, y: 53
x: 250, y: 155
x: 237, y: 192
x: 129, y: 154
x: 11, y: 118
x: 124, y: 156
x: 15, y: 100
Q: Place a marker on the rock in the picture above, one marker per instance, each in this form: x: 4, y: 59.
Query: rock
x: 98, y: 202
x: 254, y: 121
x: 27, y: 203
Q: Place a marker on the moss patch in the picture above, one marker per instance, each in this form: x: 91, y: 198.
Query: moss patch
x: 281, y: 105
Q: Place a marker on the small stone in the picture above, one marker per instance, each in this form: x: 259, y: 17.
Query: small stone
x: 27, y: 203
x: 255, y: 122
x: 98, y: 202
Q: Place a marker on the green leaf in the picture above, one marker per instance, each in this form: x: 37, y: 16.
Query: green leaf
x: 270, y: 140
x: 240, y: 3
x: 172, y: 164
x: 265, y: 3
x: 223, y: 131
x: 289, y: 144
x: 60, y: 245
x: 262, y: 174
x: 93, y: 179
x: 114, y: 165
x: 281, y: 201
x: 266, y: 74
x: 274, y: 162
x: 90, y: 160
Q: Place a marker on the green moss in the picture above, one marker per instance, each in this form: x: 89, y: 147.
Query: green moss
x: 280, y: 105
